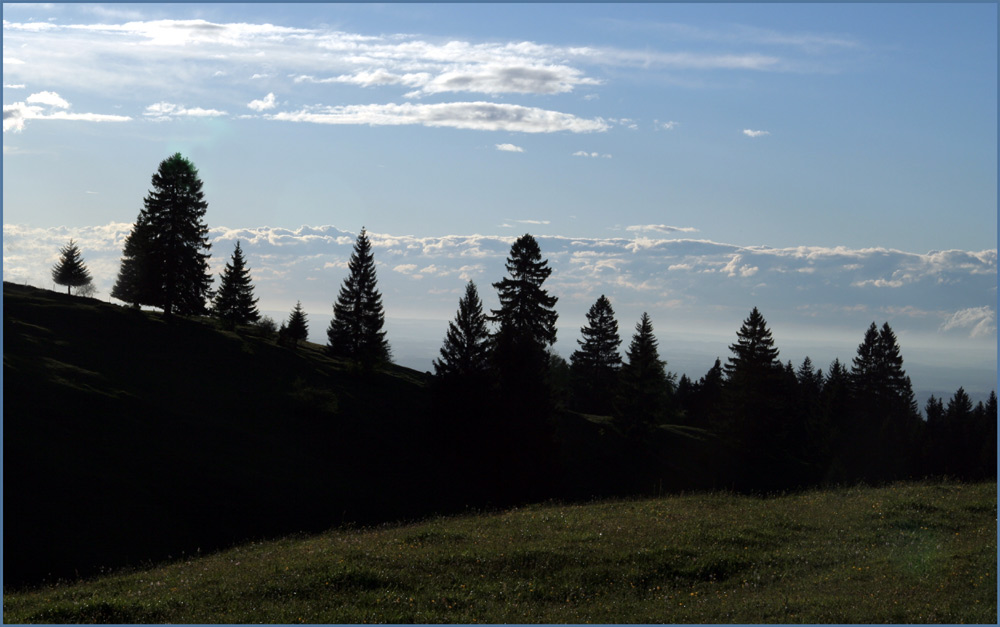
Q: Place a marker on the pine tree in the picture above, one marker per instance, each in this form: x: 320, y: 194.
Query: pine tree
x: 297, y: 328
x: 355, y: 333
x: 594, y: 367
x: 165, y: 260
x: 527, y: 326
x: 70, y: 271
x: 754, y: 354
x: 465, y: 352
x: 644, y: 383
x: 234, y: 302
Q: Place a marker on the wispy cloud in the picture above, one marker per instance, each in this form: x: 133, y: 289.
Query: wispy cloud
x: 484, y: 116
x: 981, y: 320
x: 48, y: 105
x: 509, y: 148
x: 591, y: 155
x: 660, y: 228
x: 752, y: 133
x: 162, y: 111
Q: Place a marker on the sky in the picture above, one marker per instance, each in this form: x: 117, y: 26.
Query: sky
x: 831, y: 164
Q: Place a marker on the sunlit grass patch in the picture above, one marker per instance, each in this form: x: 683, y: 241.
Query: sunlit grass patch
x: 907, y: 553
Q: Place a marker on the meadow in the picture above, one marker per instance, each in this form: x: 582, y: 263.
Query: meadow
x: 903, y: 553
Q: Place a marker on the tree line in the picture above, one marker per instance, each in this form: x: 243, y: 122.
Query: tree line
x: 761, y: 424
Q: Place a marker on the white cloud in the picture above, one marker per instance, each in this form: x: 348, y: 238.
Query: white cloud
x: 161, y: 111
x: 484, y: 116
x: 590, y: 155
x: 661, y: 228
x: 49, y: 98
x: 8, y: 86
x: 40, y: 107
x: 509, y: 148
x: 981, y: 319
x: 264, y: 104
x: 665, y: 126
x: 752, y: 133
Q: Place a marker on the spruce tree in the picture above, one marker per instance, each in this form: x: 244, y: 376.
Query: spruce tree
x: 70, y: 270
x: 297, y: 328
x: 594, y: 367
x: 754, y: 354
x: 465, y: 352
x: 644, y: 383
x: 355, y: 333
x: 527, y: 325
x: 234, y: 301
x: 165, y: 259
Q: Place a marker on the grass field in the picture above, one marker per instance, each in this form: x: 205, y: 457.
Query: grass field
x: 907, y: 553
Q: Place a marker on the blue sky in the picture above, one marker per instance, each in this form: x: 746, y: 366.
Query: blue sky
x: 832, y: 164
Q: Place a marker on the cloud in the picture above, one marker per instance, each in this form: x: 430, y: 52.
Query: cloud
x: 49, y: 98
x: 483, y: 116
x: 688, y: 282
x: 590, y: 155
x: 509, y: 148
x: 751, y: 133
x: 42, y: 105
x: 981, y: 319
x: 660, y: 228
x: 162, y: 111
x: 665, y: 126
x: 11, y: 86
x: 264, y: 104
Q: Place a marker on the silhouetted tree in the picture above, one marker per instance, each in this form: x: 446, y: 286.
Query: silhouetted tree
x: 761, y: 430
x: 885, y: 415
x: 594, y: 367
x: 297, y: 327
x: 526, y: 322
x: 165, y: 259
x: 234, y: 301
x: 527, y: 326
x: 466, y: 348
x: 70, y: 270
x: 644, y: 388
x: 355, y: 332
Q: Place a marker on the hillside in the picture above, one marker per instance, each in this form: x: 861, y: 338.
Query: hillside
x: 127, y: 438
x: 906, y: 553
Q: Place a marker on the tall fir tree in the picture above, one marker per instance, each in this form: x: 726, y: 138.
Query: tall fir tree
x: 466, y: 348
x: 234, y: 301
x: 70, y: 270
x: 759, y: 426
x: 165, y: 259
x: 527, y: 324
x: 645, y: 387
x: 355, y: 332
x: 594, y: 366
x: 297, y: 327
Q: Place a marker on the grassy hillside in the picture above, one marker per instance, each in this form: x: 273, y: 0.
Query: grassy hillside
x: 127, y: 438
x: 907, y: 553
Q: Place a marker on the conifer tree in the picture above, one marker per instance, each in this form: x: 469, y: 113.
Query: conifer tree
x: 355, y: 333
x: 527, y: 326
x: 465, y: 352
x: 754, y: 353
x: 594, y: 366
x: 234, y: 302
x: 165, y: 259
x: 297, y: 328
x: 70, y: 270
x: 644, y: 383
